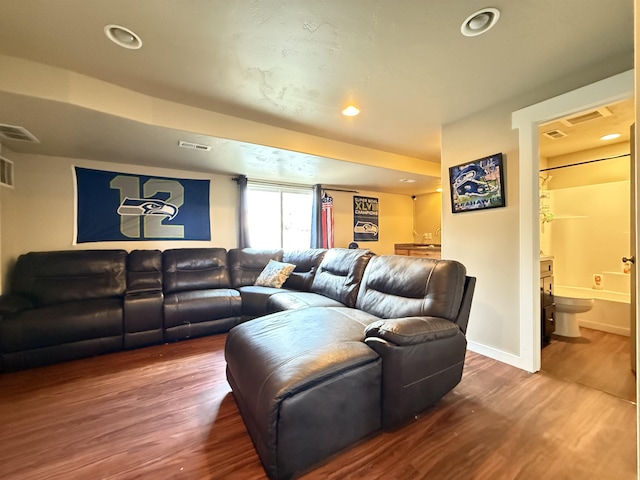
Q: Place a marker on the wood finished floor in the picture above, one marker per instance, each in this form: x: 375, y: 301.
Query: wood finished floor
x: 166, y: 412
x: 597, y: 359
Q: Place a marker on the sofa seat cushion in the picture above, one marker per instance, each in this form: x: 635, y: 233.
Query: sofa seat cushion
x: 288, y: 300
x: 62, y: 323
x: 255, y: 298
x: 306, y: 384
x: 201, y: 306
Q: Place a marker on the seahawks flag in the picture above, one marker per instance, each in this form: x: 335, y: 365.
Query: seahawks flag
x: 112, y: 206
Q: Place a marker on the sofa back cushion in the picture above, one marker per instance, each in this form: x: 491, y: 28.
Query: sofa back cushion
x: 339, y: 274
x: 144, y: 271
x: 48, y: 278
x: 306, y: 262
x: 396, y: 286
x: 187, y: 269
x: 246, y: 264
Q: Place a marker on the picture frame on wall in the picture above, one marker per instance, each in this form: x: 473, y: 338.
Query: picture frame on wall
x: 477, y: 185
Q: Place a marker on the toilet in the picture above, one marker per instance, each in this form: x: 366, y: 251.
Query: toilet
x: 570, y: 302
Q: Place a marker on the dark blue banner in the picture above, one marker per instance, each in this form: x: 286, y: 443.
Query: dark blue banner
x: 114, y: 206
x: 365, y: 219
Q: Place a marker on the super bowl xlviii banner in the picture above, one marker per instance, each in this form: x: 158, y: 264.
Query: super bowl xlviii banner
x: 365, y: 219
x: 112, y: 206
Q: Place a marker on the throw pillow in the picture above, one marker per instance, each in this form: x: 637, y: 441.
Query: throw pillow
x: 274, y: 274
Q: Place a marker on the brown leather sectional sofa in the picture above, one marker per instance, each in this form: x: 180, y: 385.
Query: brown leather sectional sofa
x: 351, y: 343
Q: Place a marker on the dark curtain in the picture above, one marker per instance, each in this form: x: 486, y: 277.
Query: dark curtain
x: 243, y: 225
x: 316, y: 217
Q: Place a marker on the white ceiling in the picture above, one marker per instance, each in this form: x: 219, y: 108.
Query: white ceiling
x: 292, y: 66
x: 586, y: 132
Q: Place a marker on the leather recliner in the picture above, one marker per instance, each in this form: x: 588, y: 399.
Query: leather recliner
x: 198, y: 298
x: 63, y: 306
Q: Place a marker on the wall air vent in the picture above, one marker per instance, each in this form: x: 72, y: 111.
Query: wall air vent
x: 555, y: 134
x: 194, y: 146
x: 6, y: 172
x: 13, y: 132
x: 587, y: 116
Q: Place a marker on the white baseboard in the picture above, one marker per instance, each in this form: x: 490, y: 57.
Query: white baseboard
x: 604, y: 327
x: 501, y: 356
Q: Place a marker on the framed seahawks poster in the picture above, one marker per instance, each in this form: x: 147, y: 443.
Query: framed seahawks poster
x: 114, y: 206
x: 477, y: 185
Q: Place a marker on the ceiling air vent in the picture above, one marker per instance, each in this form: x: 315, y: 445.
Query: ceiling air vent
x: 587, y: 116
x: 194, y: 146
x: 6, y: 172
x: 555, y: 134
x: 13, y: 132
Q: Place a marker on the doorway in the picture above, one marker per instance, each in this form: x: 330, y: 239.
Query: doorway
x: 585, y: 191
x: 608, y: 91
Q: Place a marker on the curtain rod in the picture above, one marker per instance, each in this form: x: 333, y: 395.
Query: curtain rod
x: 275, y: 184
x: 586, y: 162
x: 339, y: 190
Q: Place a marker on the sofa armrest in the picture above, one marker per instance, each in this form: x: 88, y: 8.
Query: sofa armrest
x: 422, y: 360
x: 11, y: 303
x: 412, y: 330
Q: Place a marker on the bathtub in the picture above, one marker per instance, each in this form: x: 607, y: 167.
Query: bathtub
x: 611, y: 310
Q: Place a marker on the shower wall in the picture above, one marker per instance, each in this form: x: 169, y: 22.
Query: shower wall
x: 589, y: 234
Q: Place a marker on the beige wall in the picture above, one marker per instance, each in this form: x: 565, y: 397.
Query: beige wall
x: 38, y: 215
x: 395, y: 220
x: 487, y: 242
x: 428, y: 218
x: 614, y: 170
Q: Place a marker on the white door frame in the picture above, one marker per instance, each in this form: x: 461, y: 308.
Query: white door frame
x: 614, y: 89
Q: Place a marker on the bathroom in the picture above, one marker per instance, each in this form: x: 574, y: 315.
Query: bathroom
x: 584, y: 188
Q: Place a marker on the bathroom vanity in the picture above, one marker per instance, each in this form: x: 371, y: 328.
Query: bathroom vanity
x: 418, y: 250
x: 547, y: 306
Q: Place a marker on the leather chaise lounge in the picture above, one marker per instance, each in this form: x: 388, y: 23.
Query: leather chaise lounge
x: 311, y: 381
x: 350, y: 343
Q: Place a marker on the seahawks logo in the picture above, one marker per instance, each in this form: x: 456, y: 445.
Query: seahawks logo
x: 147, y: 206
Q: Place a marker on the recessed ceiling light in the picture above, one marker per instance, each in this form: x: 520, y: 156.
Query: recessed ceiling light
x: 479, y: 22
x: 407, y: 180
x: 123, y: 37
x: 611, y: 136
x: 351, y: 111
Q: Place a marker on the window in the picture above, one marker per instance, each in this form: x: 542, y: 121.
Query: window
x: 279, y: 216
x: 6, y: 172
